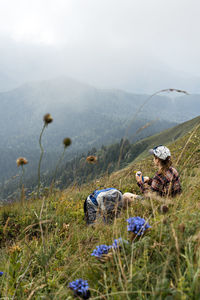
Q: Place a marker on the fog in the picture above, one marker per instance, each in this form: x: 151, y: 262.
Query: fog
x: 139, y: 46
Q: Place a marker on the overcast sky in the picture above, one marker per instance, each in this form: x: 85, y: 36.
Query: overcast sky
x: 136, y: 45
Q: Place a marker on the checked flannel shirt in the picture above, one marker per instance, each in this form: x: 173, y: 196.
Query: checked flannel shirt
x: 163, y: 185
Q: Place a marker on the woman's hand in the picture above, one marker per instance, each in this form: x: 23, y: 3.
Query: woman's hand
x: 138, y: 177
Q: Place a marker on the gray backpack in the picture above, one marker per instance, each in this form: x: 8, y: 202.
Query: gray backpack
x: 103, y: 204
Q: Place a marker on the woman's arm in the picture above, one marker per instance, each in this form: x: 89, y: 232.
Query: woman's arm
x: 150, y: 184
x: 142, y: 182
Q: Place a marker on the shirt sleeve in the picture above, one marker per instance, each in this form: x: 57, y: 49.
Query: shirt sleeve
x: 176, y: 188
x: 141, y: 186
x: 149, y: 181
x: 154, y: 185
x: 145, y: 186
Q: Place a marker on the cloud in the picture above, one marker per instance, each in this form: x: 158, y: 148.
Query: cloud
x: 101, y: 41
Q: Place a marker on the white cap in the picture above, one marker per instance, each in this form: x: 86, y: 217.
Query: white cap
x: 161, y: 152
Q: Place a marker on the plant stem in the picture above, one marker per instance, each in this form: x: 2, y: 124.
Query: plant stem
x: 21, y: 182
x: 41, y: 155
x: 59, y: 161
x: 22, y: 186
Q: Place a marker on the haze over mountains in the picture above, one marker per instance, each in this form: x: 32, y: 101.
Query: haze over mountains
x: 141, y: 76
x: 89, y: 116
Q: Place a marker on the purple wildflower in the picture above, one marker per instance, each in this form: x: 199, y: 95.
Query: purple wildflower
x: 137, y: 225
x: 100, y: 250
x: 118, y: 243
x: 80, y: 288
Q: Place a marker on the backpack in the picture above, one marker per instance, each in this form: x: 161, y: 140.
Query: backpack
x: 105, y: 203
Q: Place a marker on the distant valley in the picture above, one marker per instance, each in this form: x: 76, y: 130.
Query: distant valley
x: 91, y: 117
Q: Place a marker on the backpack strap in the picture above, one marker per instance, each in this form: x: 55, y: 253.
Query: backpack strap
x: 85, y: 206
x: 95, y: 194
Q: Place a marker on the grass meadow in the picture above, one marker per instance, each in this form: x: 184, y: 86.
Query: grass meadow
x: 45, y: 243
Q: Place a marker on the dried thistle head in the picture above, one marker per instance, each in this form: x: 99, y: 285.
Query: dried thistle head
x: 47, y: 119
x: 164, y: 209
x: 21, y: 161
x: 67, y: 142
x: 91, y: 159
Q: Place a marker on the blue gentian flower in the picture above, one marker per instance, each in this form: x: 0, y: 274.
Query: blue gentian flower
x: 80, y: 288
x: 1, y: 273
x: 118, y: 243
x: 137, y: 225
x: 100, y: 250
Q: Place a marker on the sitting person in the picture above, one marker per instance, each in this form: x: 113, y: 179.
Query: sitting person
x: 166, y: 180
x: 103, y: 204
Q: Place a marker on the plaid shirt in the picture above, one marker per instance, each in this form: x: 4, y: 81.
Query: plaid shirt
x: 164, y: 185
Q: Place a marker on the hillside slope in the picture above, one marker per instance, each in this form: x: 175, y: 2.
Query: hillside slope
x: 45, y: 243
x: 119, y: 155
x: 169, y: 135
x: 110, y: 158
x: 89, y: 116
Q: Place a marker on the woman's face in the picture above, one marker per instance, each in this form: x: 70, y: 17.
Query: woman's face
x: 156, y: 161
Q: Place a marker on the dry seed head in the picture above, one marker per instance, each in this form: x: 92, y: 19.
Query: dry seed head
x: 21, y: 161
x: 67, y: 142
x: 91, y: 159
x: 164, y: 209
x: 175, y: 90
x: 47, y: 119
x: 181, y: 227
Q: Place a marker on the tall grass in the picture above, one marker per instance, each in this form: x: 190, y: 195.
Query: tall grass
x: 47, y: 245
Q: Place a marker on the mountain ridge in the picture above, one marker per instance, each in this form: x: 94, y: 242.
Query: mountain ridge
x: 91, y: 117
x: 116, y: 156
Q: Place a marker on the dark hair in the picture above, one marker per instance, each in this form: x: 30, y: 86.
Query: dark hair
x: 165, y: 164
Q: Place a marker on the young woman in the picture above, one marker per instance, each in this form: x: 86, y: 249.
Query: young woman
x: 166, y: 181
